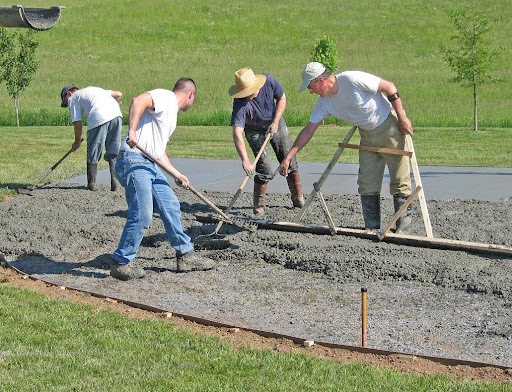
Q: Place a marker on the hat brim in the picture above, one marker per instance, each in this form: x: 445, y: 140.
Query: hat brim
x: 304, y: 85
x: 64, y: 92
x: 235, y: 92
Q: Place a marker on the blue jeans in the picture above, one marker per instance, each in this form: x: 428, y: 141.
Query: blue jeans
x: 146, y: 186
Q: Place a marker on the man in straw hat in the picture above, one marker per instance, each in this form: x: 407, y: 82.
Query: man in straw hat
x: 374, y: 105
x: 258, y: 105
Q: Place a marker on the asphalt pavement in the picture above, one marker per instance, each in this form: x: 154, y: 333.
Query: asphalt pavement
x: 439, y: 182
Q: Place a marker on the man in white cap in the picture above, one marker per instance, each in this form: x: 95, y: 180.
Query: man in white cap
x: 374, y: 106
x: 104, y: 121
x: 258, y: 106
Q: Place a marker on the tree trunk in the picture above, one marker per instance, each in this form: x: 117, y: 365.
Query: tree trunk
x: 16, y: 108
x: 475, y: 108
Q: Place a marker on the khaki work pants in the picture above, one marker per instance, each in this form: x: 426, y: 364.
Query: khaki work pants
x: 372, y: 164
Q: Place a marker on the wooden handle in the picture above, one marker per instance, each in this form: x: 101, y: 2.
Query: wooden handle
x: 190, y: 187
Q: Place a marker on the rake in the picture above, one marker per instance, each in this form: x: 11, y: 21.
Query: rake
x: 190, y: 187
x: 36, y: 184
x: 242, y: 185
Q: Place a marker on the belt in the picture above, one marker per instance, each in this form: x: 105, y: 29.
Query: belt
x: 122, y: 152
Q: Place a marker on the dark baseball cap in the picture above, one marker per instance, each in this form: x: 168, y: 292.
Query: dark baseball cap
x: 63, y: 93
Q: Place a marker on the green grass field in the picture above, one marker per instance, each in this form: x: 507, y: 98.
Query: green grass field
x: 135, y: 46
x: 50, y: 345
x: 27, y: 153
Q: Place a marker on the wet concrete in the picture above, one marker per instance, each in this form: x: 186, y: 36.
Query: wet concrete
x: 452, y: 304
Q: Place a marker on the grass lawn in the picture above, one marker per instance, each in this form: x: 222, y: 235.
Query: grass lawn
x: 57, y: 345
x: 134, y: 46
x: 27, y: 153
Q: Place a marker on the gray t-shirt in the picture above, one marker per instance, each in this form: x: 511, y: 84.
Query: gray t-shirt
x: 357, y: 102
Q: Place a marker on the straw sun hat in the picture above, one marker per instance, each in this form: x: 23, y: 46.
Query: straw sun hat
x: 246, y: 83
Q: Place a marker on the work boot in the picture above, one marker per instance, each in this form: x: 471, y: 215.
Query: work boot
x: 371, y: 211
x: 403, y: 223
x: 113, y: 181
x: 259, y: 195
x: 92, y: 170
x: 126, y: 272
x: 295, y: 187
x: 191, y: 261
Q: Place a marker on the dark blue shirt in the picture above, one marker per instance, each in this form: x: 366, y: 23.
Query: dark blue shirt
x: 259, y: 112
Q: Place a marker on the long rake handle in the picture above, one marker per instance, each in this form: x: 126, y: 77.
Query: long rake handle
x: 53, y: 167
x: 190, y: 187
x: 244, y: 182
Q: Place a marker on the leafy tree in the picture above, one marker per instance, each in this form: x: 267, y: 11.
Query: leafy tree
x: 471, y: 55
x: 18, y: 63
x: 325, y: 52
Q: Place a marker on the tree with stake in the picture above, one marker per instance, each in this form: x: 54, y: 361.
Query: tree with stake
x: 18, y: 63
x: 471, y: 55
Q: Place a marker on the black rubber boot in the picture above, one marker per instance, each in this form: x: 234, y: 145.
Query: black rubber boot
x: 259, y: 195
x: 113, y: 180
x: 403, y: 223
x: 92, y: 170
x: 371, y: 211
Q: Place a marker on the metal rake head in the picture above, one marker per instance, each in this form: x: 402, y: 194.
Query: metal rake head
x: 244, y: 222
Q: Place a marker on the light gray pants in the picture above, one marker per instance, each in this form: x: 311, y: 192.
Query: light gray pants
x: 108, y: 135
x: 372, y: 164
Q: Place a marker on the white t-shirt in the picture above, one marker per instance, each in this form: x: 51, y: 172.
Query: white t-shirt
x: 156, y: 125
x: 357, y: 102
x: 95, y: 104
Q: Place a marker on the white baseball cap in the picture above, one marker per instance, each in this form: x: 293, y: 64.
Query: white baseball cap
x: 311, y: 71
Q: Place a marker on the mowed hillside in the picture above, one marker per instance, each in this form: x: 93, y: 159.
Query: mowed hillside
x: 134, y: 46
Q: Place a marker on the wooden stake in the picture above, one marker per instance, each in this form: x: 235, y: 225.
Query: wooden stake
x: 364, y: 305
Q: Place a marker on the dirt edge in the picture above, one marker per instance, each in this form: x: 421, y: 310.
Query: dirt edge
x: 243, y: 338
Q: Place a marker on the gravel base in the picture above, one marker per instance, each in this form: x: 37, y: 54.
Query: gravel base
x: 445, y: 303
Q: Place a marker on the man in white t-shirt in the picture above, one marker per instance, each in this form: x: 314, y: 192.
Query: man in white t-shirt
x: 104, y: 121
x: 374, y: 106
x: 152, y: 121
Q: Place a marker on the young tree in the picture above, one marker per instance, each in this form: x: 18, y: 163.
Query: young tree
x: 325, y: 52
x: 18, y: 63
x: 471, y: 55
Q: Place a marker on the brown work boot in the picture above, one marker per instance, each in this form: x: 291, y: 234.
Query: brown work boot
x: 259, y: 195
x: 191, y: 261
x: 113, y: 180
x: 295, y: 187
x: 92, y: 171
